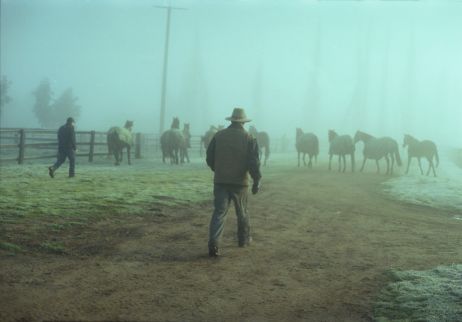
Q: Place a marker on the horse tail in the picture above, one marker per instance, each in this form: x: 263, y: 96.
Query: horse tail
x: 397, y: 156
x: 437, y: 157
x: 267, y: 150
x: 316, y: 146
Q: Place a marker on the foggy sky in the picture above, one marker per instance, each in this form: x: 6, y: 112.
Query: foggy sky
x: 385, y: 68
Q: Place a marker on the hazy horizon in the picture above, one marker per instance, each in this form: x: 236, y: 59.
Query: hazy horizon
x: 386, y: 68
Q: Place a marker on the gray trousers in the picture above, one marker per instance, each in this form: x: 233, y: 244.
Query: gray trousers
x: 224, y: 194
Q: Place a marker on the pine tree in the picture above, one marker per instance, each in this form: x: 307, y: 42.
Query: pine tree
x: 42, y: 109
x: 65, y: 106
x: 52, y: 114
x: 4, y: 98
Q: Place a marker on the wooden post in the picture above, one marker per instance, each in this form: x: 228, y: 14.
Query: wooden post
x: 21, y: 145
x: 138, y: 146
x: 92, y: 146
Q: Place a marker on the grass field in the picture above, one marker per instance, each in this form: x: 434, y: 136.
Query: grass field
x: 30, y: 199
x: 129, y: 243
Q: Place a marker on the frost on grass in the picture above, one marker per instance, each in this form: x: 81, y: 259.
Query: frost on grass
x: 28, y: 191
x: 433, y: 295
x: 444, y: 191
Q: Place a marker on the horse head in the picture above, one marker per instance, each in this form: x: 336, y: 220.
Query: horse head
x: 175, y: 123
x: 407, y: 139
x: 186, y: 127
x: 128, y: 125
x: 332, y: 135
x: 298, y: 132
x: 253, y: 130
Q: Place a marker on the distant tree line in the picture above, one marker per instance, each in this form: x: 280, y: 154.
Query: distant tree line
x: 52, y: 112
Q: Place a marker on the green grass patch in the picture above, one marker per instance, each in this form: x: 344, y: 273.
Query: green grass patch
x: 433, y: 295
x: 53, y: 247
x: 11, y: 247
x: 98, y: 191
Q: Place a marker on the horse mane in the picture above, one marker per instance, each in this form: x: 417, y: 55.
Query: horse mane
x: 408, y: 136
x: 175, y: 123
x: 362, y: 136
x: 367, y: 135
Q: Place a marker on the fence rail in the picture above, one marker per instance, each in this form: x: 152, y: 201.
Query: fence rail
x: 33, y: 144
x: 19, y: 145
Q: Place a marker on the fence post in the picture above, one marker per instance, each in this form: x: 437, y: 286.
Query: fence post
x: 21, y: 145
x: 138, y: 146
x: 92, y: 146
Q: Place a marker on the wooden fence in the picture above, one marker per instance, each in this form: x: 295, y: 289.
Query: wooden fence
x: 19, y: 145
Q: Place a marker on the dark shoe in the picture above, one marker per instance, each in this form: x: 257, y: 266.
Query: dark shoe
x: 245, y: 243
x: 51, y: 172
x: 71, y: 176
x: 213, y: 252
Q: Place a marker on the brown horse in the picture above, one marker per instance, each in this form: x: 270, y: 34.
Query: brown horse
x: 378, y: 148
x: 419, y: 149
x: 172, y: 142
x: 208, y: 136
x: 263, y: 142
x: 119, y: 138
x: 306, y: 143
x: 341, y: 145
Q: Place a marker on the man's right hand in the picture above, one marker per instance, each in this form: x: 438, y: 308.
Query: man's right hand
x: 255, y: 188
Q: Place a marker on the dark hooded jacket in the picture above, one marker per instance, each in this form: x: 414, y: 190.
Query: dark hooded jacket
x: 66, y: 137
x: 232, y: 155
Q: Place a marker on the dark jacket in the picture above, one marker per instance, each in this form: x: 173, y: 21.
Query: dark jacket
x: 66, y: 137
x: 232, y: 154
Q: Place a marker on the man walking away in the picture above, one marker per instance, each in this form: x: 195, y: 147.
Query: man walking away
x: 66, y: 148
x: 232, y: 155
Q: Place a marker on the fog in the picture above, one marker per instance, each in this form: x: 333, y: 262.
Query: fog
x: 384, y: 67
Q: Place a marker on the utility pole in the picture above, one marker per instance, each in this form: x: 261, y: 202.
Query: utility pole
x: 165, y: 67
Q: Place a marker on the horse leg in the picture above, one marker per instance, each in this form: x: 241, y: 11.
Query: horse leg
x: 377, y: 163
x: 344, y: 162
x: 339, y: 163
x: 330, y: 161
x: 392, y: 163
x: 115, y: 151
x: 128, y: 156
x: 310, y: 164
x: 408, y: 164
x: 352, y: 162
x: 304, y: 159
x: 298, y: 159
x: 431, y: 167
x: 420, y: 166
x: 362, y: 166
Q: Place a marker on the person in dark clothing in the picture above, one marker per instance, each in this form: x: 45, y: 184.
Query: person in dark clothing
x: 66, y: 148
x: 232, y: 154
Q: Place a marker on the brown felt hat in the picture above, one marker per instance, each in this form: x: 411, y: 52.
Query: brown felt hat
x: 238, y: 116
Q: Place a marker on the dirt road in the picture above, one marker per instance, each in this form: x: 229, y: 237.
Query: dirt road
x: 322, y: 243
